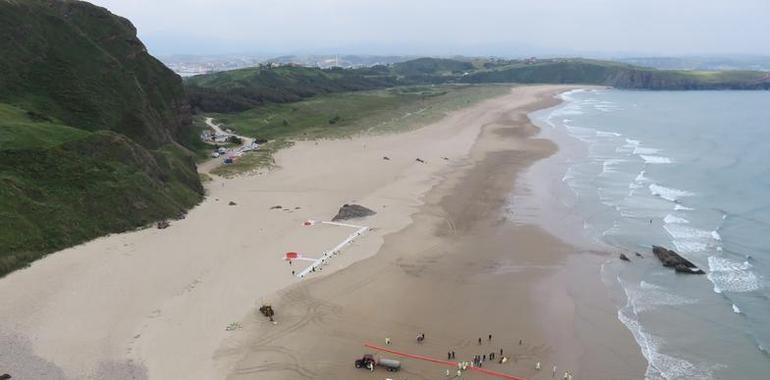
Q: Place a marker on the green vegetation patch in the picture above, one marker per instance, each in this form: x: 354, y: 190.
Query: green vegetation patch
x: 58, y: 196
x: 343, y: 115
x: 20, y: 129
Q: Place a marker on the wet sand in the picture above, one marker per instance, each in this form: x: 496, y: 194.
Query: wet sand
x: 461, y: 270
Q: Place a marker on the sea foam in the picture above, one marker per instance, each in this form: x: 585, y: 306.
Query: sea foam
x: 731, y: 276
x: 647, y: 151
x: 668, y: 193
x: 675, y: 219
x: 660, y: 365
x: 655, y: 159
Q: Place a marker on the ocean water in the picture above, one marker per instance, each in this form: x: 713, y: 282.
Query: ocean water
x: 689, y: 171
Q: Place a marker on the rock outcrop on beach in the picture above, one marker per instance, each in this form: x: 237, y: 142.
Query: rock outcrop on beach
x: 671, y: 259
x: 624, y: 257
x: 350, y: 211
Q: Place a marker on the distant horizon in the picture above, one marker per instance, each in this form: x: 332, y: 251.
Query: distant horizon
x: 586, y: 28
x: 605, y: 56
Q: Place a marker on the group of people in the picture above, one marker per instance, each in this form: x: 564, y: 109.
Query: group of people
x: 478, y: 360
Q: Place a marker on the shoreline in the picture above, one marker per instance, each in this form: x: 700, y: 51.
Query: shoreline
x: 425, y: 270
x: 130, y: 303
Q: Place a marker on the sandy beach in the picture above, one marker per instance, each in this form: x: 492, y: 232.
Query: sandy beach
x: 439, y: 258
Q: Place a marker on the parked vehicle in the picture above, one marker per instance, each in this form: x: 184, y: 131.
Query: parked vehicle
x: 368, y: 361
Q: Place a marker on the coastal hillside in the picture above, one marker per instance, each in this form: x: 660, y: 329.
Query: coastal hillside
x: 242, y: 89
x: 583, y: 71
x: 92, y: 130
x: 78, y: 63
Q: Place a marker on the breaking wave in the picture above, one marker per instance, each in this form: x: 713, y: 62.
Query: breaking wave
x: 732, y: 276
x: 668, y: 193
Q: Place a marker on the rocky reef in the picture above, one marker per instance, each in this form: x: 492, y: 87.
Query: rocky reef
x: 671, y: 259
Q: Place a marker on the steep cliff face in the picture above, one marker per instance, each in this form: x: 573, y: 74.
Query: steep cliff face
x: 90, y: 126
x: 79, y: 63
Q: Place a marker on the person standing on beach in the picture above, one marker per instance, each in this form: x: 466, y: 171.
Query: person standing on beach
x: 479, y: 340
x: 490, y: 337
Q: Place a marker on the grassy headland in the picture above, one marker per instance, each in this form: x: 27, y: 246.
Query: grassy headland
x: 92, y: 130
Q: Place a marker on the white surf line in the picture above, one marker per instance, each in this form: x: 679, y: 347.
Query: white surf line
x: 328, y: 254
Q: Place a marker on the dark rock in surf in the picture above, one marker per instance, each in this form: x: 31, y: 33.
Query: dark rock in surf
x: 671, y: 259
x: 624, y: 257
x: 350, y: 211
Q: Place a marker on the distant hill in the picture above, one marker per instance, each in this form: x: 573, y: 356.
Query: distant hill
x: 759, y: 63
x: 582, y: 71
x: 91, y: 130
x: 239, y: 90
x: 431, y: 66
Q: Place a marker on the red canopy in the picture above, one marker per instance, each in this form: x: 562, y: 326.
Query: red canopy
x: 291, y: 255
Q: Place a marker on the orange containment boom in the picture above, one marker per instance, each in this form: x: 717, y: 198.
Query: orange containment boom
x: 450, y: 363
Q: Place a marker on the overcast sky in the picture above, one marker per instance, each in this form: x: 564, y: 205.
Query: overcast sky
x: 444, y: 27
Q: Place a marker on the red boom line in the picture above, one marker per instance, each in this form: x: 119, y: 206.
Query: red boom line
x: 441, y: 361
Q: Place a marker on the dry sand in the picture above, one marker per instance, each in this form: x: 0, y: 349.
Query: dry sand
x: 460, y: 272
x: 156, y: 303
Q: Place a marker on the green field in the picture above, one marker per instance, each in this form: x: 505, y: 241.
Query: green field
x: 346, y: 114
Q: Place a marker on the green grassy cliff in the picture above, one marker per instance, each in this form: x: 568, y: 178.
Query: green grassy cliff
x: 91, y: 130
x: 82, y: 65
